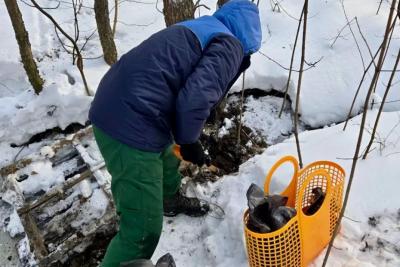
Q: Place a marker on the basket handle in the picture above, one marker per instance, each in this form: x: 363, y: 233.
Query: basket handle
x: 307, y: 181
x: 285, y: 159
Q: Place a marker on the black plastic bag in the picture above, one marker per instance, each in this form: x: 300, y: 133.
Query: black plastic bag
x: 267, y: 213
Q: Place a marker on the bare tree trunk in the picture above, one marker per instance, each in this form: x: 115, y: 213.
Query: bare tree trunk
x: 24, y: 45
x: 105, y: 32
x: 178, y: 10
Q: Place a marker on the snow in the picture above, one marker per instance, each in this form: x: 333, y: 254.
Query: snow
x: 327, y: 92
x: 14, y: 227
x: 93, y: 209
x: 85, y: 188
x: 44, y: 176
x: 327, y: 89
x: 374, y: 193
x: 225, y: 127
x: 31, y: 114
x: 263, y: 115
x: 47, y: 152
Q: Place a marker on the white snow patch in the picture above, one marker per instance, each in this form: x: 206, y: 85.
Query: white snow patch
x: 224, y: 130
x: 262, y: 115
x: 28, y: 114
x: 47, y: 152
x: 15, y: 226
x: 94, y: 208
x: 42, y: 177
x: 85, y: 188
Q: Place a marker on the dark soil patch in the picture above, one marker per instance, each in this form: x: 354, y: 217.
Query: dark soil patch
x: 256, y: 93
x: 224, y: 150
x: 92, y: 256
x: 48, y: 134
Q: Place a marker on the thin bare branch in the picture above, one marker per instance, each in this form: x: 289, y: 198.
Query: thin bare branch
x: 361, y: 132
x: 303, y: 55
x: 352, y: 33
x: 241, y: 112
x: 80, y: 60
x: 382, y: 105
x: 45, y: 8
x: 114, y: 28
x: 363, y: 77
x: 286, y: 68
x: 291, y: 63
x: 134, y: 24
x: 379, y: 7
x: 365, y: 40
x: 340, y: 31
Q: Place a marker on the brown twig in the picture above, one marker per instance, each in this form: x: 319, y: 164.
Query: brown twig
x: 114, y: 28
x: 387, y: 50
x: 365, y: 40
x: 286, y: 68
x: 381, y: 106
x: 360, y: 135
x: 241, y: 113
x: 379, y: 7
x: 340, y: 31
x: 296, y: 111
x: 352, y: 33
x: 363, y: 77
x: 291, y: 63
x: 79, y: 55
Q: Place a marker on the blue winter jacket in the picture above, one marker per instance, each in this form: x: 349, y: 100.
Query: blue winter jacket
x: 163, y: 90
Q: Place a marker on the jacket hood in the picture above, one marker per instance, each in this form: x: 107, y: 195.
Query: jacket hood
x: 242, y: 18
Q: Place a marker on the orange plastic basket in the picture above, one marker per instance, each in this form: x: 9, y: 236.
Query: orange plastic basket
x: 304, y: 236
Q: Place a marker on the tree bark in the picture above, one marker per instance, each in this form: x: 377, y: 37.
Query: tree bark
x: 178, y: 10
x: 24, y: 45
x: 105, y: 32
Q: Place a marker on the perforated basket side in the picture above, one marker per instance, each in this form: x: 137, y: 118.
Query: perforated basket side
x: 337, y: 175
x: 280, y: 248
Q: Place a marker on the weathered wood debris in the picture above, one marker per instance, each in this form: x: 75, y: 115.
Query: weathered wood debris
x: 60, y: 201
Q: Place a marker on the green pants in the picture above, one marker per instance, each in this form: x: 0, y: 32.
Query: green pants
x: 140, y: 181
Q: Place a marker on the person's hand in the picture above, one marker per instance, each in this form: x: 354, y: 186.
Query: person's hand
x: 193, y: 153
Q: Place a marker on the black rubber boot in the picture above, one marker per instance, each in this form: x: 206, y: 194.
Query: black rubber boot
x: 179, y: 203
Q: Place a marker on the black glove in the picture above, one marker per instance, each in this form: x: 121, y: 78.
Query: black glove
x: 193, y: 153
x: 245, y: 64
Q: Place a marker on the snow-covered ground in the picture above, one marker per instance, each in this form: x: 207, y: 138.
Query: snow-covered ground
x: 327, y: 91
x: 215, y: 242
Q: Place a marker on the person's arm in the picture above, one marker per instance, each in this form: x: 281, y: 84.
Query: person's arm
x: 205, y: 86
x: 244, y: 66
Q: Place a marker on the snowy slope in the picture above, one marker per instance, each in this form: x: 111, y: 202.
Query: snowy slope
x: 327, y: 89
x: 220, y: 243
x: 327, y: 92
